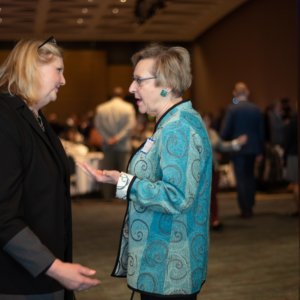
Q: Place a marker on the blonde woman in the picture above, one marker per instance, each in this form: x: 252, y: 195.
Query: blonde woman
x: 35, y: 208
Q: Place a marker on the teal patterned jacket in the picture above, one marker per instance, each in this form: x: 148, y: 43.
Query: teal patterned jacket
x: 164, y: 240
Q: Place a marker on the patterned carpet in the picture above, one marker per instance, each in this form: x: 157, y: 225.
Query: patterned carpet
x: 250, y: 259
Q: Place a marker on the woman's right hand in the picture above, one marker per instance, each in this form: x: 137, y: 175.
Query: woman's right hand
x: 104, y: 176
x: 72, y: 276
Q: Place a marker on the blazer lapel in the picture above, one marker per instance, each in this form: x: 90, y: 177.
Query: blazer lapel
x: 29, y: 117
x: 48, y: 138
x: 57, y: 146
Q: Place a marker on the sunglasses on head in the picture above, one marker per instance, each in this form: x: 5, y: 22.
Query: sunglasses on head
x: 50, y: 40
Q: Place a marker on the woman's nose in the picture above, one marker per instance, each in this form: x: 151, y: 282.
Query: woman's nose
x: 132, y: 87
x: 63, y: 80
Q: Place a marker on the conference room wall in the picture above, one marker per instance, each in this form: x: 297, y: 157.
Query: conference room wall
x: 119, y: 75
x: 256, y: 44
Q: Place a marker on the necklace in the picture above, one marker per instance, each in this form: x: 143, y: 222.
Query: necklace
x: 39, y: 120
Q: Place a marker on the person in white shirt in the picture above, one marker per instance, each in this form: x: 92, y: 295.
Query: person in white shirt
x: 115, y: 120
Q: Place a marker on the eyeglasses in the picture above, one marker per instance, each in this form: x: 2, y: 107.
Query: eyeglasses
x: 139, y: 80
x: 50, y: 40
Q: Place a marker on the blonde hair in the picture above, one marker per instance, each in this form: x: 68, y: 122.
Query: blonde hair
x: 18, y: 73
x: 172, y: 66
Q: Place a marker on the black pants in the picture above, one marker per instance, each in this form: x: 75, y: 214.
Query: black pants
x: 244, y: 172
x: 184, y: 297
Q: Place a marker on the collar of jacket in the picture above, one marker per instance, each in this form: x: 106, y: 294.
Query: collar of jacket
x: 171, y: 111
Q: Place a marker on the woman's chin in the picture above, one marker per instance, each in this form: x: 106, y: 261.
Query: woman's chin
x: 142, y: 109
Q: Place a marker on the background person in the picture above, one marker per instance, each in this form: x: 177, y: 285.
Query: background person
x: 244, y: 117
x: 164, y: 246
x: 115, y: 120
x: 35, y: 207
x: 291, y: 151
x: 218, y: 146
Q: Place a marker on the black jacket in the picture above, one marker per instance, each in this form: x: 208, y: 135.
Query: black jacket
x: 35, y: 206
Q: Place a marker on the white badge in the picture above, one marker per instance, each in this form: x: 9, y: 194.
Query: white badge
x: 148, y: 145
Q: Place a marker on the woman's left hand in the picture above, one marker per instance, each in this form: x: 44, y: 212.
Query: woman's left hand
x: 104, y: 176
x: 73, y: 276
x: 242, y: 139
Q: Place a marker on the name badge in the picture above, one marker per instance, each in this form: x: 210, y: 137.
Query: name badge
x: 148, y: 145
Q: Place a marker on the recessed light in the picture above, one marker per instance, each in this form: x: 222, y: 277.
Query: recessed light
x: 85, y: 10
x: 115, y: 11
x: 80, y: 21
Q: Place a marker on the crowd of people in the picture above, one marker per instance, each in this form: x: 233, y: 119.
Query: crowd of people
x: 280, y: 164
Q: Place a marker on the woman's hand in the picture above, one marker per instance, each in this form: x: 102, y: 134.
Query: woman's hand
x: 72, y: 276
x: 103, y: 176
x: 242, y: 139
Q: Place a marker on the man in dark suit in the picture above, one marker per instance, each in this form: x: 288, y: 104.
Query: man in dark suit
x: 244, y: 117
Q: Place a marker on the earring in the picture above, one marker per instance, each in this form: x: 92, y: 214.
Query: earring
x: 164, y: 93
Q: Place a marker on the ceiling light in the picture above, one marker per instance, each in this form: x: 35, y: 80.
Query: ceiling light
x: 85, y: 10
x: 115, y: 11
x: 123, y: 1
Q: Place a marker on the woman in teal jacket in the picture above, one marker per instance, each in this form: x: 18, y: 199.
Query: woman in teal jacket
x: 164, y: 243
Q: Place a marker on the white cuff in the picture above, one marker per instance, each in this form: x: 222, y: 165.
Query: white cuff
x: 235, y: 145
x: 123, y: 185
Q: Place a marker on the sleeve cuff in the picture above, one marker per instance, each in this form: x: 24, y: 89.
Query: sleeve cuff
x: 123, y: 185
x: 235, y: 145
x: 27, y: 250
